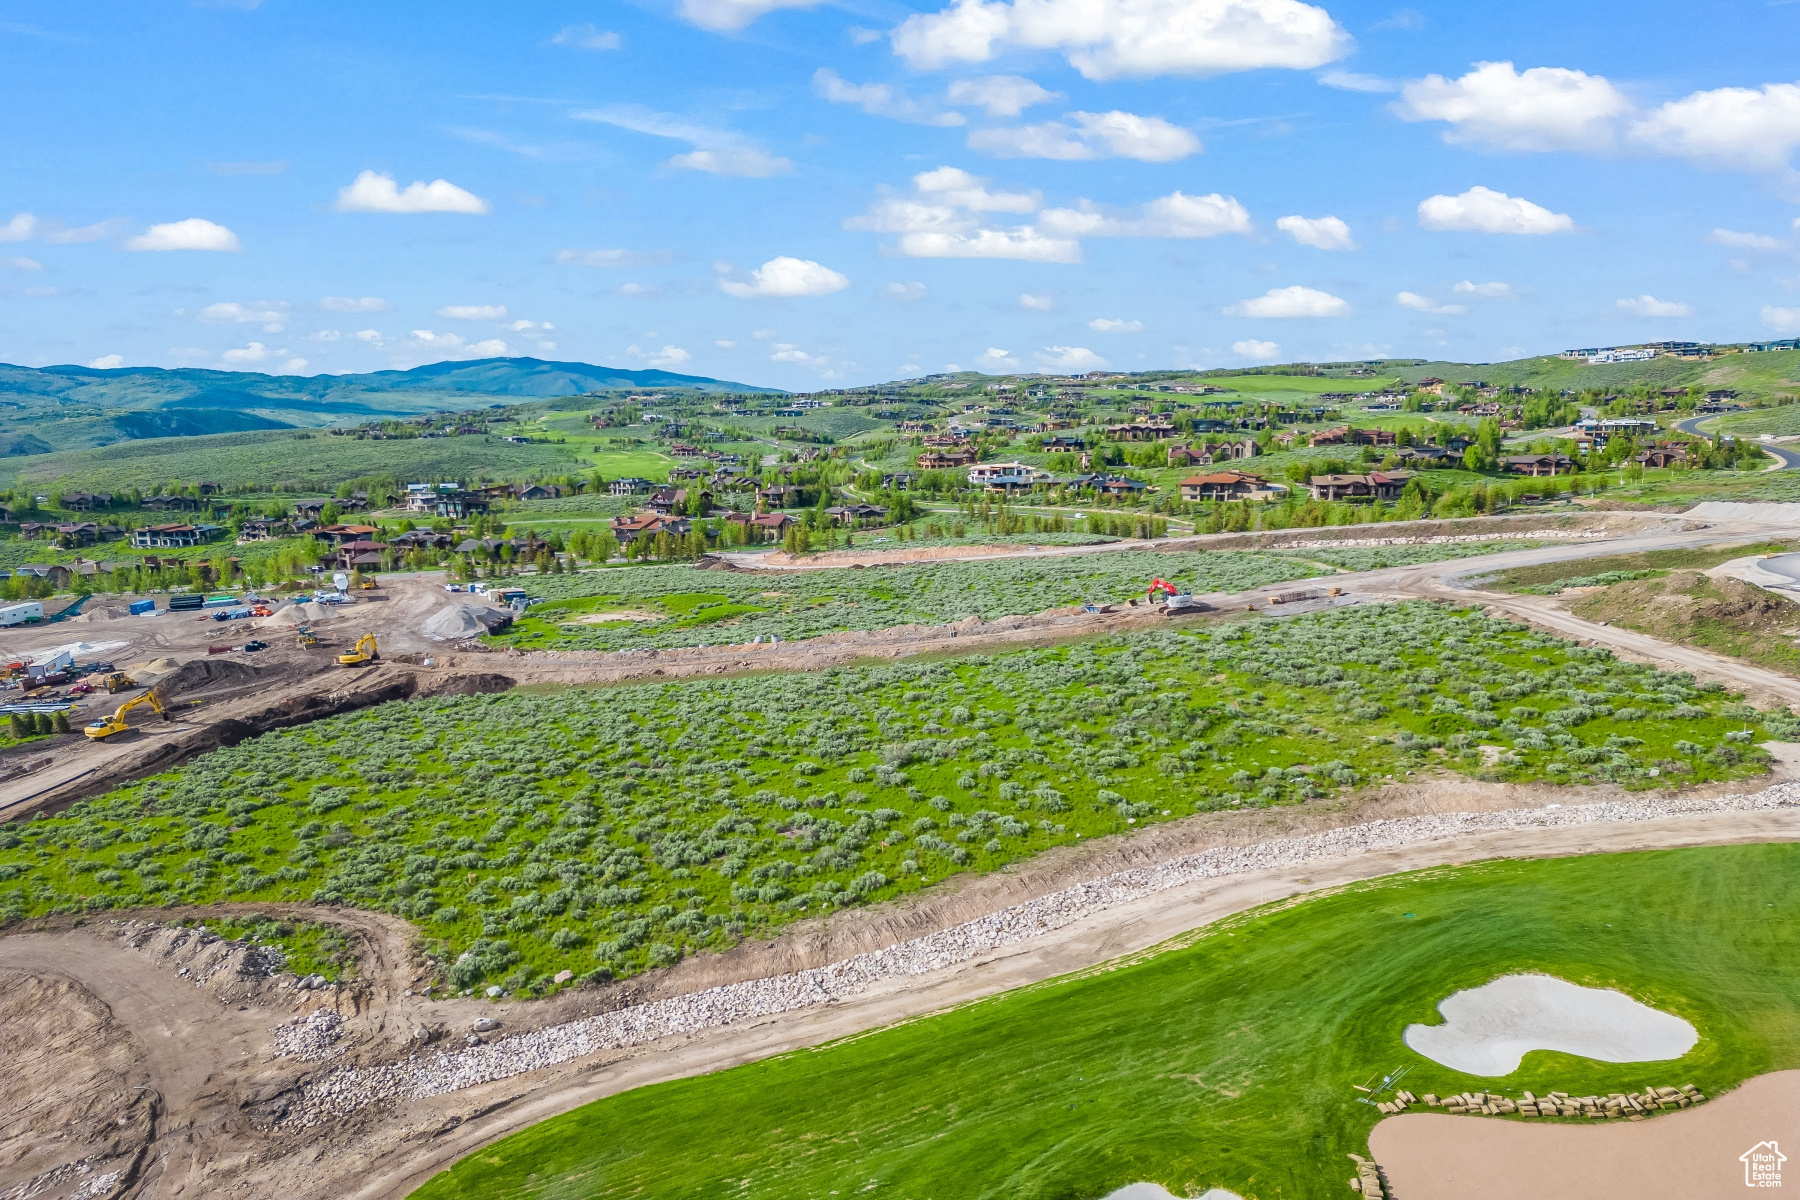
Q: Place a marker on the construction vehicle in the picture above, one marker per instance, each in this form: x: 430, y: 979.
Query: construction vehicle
x: 365, y: 652
x: 106, y: 727
x: 306, y: 637
x: 119, y: 681
x: 367, y: 585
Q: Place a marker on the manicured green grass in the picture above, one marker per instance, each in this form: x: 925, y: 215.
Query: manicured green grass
x: 610, y: 829
x: 1229, y: 1061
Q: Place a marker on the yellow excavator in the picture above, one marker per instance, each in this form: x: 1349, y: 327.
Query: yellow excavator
x: 365, y: 652
x: 106, y: 727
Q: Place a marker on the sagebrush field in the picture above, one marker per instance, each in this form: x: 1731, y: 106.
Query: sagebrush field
x: 610, y: 829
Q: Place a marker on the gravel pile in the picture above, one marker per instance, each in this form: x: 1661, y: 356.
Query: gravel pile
x: 311, y: 1039
x: 452, y: 1070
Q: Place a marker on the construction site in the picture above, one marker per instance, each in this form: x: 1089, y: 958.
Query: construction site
x: 175, y: 1062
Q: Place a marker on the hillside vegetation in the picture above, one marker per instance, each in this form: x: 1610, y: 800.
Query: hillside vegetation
x: 607, y: 830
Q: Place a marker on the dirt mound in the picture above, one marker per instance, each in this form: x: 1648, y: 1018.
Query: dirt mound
x: 201, y: 671
x: 1724, y: 615
x: 297, y: 614
x: 111, y: 612
x: 457, y: 622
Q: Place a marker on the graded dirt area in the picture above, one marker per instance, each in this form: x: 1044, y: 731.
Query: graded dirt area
x: 1689, y: 1154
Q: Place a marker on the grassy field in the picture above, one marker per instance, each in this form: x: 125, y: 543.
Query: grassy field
x: 804, y: 604
x: 610, y: 829
x: 1229, y: 1059
x: 289, y: 461
x: 1374, y: 558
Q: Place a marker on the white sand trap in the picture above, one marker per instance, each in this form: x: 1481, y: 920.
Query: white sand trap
x: 1490, y: 1029
x: 1155, y: 1191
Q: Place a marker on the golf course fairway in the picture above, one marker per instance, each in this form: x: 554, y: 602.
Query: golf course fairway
x: 1227, y: 1058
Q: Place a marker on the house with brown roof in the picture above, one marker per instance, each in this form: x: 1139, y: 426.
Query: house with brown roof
x: 1538, y: 464
x: 942, y: 460
x: 1376, y: 485
x: 1226, y: 485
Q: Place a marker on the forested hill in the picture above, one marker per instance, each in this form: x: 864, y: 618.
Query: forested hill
x: 69, y: 406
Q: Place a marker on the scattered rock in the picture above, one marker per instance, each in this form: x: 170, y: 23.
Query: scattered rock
x: 486, y: 1024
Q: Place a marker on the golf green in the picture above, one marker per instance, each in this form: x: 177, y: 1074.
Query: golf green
x: 1228, y: 1058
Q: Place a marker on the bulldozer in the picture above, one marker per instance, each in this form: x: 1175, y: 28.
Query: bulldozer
x: 106, y: 727
x: 365, y: 652
x: 306, y: 638
x: 119, y: 681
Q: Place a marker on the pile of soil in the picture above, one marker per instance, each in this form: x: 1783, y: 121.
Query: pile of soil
x: 1724, y: 615
x: 297, y: 614
x: 457, y: 622
x: 108, y: 613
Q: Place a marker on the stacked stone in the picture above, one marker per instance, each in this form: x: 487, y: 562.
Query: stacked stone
x: 1630, y: 1105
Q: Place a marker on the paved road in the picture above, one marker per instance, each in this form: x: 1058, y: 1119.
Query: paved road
x: 1789, y: 459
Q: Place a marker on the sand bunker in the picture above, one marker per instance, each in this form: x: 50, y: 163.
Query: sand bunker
x: 1490, y: 1029
x: 1155, y: 1191
x: 1694, y: 1154
x: 460, y: 621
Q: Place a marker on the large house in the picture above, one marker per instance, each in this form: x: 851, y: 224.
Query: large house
x: 1376, y: 485
x: 627, y: 529
x: 1007, y: 475
x: 1538, y: 464
x: 942, y: 460
x: 1228, y: 485
x: 170, y: 537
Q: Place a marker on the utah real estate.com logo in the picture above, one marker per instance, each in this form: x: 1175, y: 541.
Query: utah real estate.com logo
x: 1762, y: 1165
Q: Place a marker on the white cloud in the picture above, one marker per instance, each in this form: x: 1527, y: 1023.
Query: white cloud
x: 371, y: 336
x: 353, y: 304
x: 880, y: 100
x: 788, y: 352
x: 19, y: 229
x: 1425, y: 304
x: 253, y: 353
x: 957, y: 187
x: 1321, y: 233
x: 996, y: 359
x: 612, y: 258
x: 376, y: 193
x: 787, y: 276
x: 245, y: 314
x: 1176, y: 215
x: 112, y: 362
x: 1113, y: 134
x: 1541, y: 108
x: 638, y: 289
x: 1104, y: 39
x: 587, y: 37
x: 546, y: 345
x: 1781, y: 320
x: 1752, y: 129
x: 1291, y: 302
x: 1483, y: 210
x: 1037, y: 303
x: 294, y: 365
x: 524, y: 326
x: 1257, y: 351
x: 668, y: 356
x: 1071, y: 358
x: 191, y: 234
x: 325, y: 335
x: 1115, y: 325
x: 1649, y: 306
x: 724, y: 16
x: 716, y: 151
x: 904, y: 293
x: 453, y: 346
x: 863, y: 37
x: 1001, y: 95
x: 473, y: 312
x: 19, y: 262
x: 1494, y: 290
x: 65, y: 235
x: 1351, y: 81
x: 1744, y: 241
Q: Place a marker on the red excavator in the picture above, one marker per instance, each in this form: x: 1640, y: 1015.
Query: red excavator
x: 1178, y: 601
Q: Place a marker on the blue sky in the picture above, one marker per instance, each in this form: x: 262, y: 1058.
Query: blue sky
x: 836, y: 193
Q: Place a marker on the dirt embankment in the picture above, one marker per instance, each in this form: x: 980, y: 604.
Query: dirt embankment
x: 1717, y: 613
x: 1388, y: 533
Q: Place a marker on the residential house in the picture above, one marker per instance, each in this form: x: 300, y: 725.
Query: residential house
x: 772, y: 524
x: 781, y: 495
x: 1331, y: 437
x: 627, y: 529
x: 176, y: 503
x: 86, y: 501
x: 166, y: 537
x: 1661, y: 456
x: 940, y: 460
x: 535, y: 491
x: 898, y: 481
x: 420, y: 539
x: 1007, y: 475
x: 1227, y: 485
x: 1064, y: 442
x: 1376, y: 485
x: 630, y: 486
x: 1374, y: 437
x: 459, y: 505
x: 361, y: 554
x: 668, y: 500
x: 1537, y: 464
x: 1429, y: 456
x: 845, y: 514
x: 73, y: 534
x: 1140, y: 431
x: 342, y: 534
